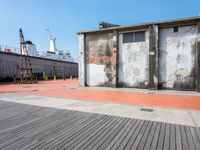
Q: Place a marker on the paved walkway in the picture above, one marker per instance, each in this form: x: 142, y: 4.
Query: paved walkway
x: 70, y: 89
x: 24, y: 127
x: 166, y: 115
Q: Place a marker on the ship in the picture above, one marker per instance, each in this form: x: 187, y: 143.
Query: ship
x: 52, y: 53
x: 44, y: 63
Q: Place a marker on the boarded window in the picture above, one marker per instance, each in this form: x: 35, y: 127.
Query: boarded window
x: 134, y: 37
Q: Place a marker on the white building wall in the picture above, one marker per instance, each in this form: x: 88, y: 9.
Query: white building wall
x: 133, y: 63
x: 177, y: 52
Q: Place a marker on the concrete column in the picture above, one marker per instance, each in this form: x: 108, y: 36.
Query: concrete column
x: 153, y: 57
x: 114, y: 61
x: 81, y: 49
x: 198, y: 57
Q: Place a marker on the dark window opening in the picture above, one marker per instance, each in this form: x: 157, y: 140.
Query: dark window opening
x: 139, y: 36
x: 127, y: 37
x: 134, y: 37
x: 175, y: 29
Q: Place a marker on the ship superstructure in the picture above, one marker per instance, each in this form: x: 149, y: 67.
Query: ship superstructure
x: 51, y: 53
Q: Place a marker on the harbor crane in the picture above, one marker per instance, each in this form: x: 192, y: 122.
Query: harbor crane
x: 26, y: 75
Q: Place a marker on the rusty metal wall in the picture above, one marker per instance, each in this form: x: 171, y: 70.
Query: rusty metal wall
x: 177, y: 57
x: 133, y: 63
x: 9, y: 66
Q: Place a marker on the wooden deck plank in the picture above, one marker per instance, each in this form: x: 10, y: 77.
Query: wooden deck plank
x: 166, y: 145
x: 77, y: 134
x: 94, y: 140
x: 71, y: 143
x: 127, y: 143
x: 99, y: 141
x: 150, y: 137
x: 117, y: 138
x: 58, y: 132
x: 190, y: 140
x: 155, y: 137
x: 27, y: 127
x: 140, y: 135
x: 172, y: 137
x: 184, y: 138
x: 72, y: 130
x: 124, y: 135
x: 90, y: 139
x: 112, y: 135
x: 161, y: 137
x: 195, y: 137
x: 178, y: 138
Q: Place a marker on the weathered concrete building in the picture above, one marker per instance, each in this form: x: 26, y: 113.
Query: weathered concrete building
x: 157, y: 55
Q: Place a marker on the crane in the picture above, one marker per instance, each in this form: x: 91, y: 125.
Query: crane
x: 26, y: 75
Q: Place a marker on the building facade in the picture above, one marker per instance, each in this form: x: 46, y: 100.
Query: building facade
x: 158, y: 55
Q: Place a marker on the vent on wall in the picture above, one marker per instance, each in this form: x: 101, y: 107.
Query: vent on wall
x: 175, y: 29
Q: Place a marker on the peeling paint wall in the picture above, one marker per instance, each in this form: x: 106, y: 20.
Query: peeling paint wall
x: 133, y: 63
x: 101, y: 59
x: 81, y: 68
x: 177, y: 54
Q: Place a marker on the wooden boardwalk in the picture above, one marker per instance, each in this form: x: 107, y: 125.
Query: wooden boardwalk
x: 24, y: 127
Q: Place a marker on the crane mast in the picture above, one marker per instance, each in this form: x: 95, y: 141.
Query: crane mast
x: 26, y: 75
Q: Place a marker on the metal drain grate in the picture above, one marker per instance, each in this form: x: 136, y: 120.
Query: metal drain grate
x: 27, y: 86
x: 72, y: 88
x: 151, y: 92
x: 34, y: 90
x: 147, y: 109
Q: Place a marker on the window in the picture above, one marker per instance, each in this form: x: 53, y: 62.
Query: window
x: 139, y: 36
x: 134, y: 37
x: 175, y: 29
x: 127, y: 37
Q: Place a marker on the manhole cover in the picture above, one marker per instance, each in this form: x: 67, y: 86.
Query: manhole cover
x: 72, y: 88
x: 147, y: 109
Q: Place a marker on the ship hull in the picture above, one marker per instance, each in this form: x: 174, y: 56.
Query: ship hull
x: 10, y: 63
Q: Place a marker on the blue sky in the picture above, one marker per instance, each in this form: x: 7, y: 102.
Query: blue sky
x: 65, y: 18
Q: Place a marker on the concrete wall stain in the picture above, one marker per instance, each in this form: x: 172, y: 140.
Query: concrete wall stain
x: 177, y: 58
x: 133, y: 63
x: 175, y: 63
x: 101, y: 51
